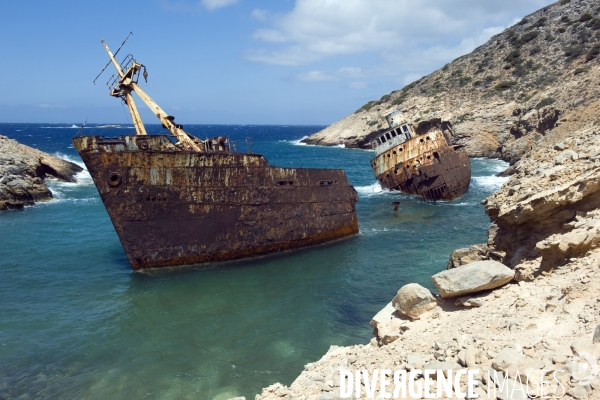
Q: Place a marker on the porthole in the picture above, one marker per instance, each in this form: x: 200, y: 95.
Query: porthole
x: 114, y: 179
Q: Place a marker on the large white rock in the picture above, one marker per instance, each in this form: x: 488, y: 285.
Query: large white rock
x: 472, y: 278
x: 413, y: 300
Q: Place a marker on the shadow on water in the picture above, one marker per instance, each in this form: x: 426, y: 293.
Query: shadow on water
x: 78, y: 323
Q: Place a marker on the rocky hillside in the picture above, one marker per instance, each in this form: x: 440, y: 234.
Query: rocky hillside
x: 23, y: 171
x: 505, y: 95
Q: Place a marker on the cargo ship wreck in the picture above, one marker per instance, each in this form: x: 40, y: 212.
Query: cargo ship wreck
x: 419, y: 160
x: 175, y: 199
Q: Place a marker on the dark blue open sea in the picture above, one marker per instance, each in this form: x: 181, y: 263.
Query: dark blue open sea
x: 77, y: 322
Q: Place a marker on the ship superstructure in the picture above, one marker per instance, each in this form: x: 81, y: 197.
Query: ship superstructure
x: 175, y: 199
x: 419, y: 159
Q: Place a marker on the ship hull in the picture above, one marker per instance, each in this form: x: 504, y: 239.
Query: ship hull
x: 424, y: 166
x: 171, y: 207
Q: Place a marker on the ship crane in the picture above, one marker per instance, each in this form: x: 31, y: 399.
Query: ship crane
x: 125, y: 82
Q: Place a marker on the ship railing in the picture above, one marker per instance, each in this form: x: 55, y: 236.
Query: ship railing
x: 127, y: 63
x: 235, y: 146
x: 113, y: 82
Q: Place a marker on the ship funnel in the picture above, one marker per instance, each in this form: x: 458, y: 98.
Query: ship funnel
x: 394, y: 119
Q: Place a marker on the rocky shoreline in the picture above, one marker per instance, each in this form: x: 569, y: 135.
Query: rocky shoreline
x: 531, y: 298
x: 23, y: 171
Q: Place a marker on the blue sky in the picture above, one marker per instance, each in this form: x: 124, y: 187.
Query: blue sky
x: 233, y: 61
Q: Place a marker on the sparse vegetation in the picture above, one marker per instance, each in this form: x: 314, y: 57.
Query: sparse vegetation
x: 593, y: 53
x: 580, y: 70
x: 461, y: 119
x: 385, y: 98
x: 529, y: 36
x: 368, y: 106
x: 502, y: 86
x: 371, y: 123
x: 561, y: 30
x: 545, y: 102
x: 586, y: 17
x: 540, y: 22
x: 535, y: 50
x: 564, y: 2
x: 594, y: 24
x: 464, y: 80
x: 572, y: 52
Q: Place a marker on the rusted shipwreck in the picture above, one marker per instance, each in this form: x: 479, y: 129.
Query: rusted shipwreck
x: 175, y: 199
x: 420, y: 160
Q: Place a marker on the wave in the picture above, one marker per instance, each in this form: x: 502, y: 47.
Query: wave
x: 490, y: 182
x: 83, y: 177
x: 297, y: 142
x: 73, y: 126
x: 368, y: 191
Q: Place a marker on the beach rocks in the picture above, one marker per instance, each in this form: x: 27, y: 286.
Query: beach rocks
x: 472, y: 278
x: 467, y: 255
x: 22, y: 173
x: 413, y: 300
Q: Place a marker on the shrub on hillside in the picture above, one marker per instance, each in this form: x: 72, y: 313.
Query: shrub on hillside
x: 535, y: 50
x: 540, y: 22
x: 595, y: 24
x: 580, y: 70
x: 586, y: 17
x: 502, y: 86
x: 572, y: 52
x: 529, y: 36
x: 545, y: 102
x: 593, y: 53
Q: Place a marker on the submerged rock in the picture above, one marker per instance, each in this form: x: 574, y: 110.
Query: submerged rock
x: 472, y: 278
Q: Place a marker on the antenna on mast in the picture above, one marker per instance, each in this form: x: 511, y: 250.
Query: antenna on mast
x: 107, y: 64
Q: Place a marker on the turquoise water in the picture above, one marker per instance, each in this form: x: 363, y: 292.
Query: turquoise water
x: 76, y: 322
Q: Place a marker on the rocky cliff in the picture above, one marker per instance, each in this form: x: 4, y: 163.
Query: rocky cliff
x: 505, y: 95
x: 23, y: 171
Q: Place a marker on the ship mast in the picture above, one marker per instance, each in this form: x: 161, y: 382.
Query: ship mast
x: 121, y: 86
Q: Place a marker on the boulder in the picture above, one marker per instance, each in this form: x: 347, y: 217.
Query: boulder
x: 467, y: 255
x: 469, y: 301
x: 507, y: 358
x: 413, y: 300
x: 472, y: 278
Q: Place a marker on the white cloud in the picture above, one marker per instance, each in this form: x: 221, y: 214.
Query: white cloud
x: 315, y: 76
x: 317, y: 29
x: 259, y: 14
x: 357, y: 85
x: 342, y: 73
x: 216, y: 4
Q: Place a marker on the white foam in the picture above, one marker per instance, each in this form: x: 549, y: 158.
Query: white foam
x: 490, y: 182
x: 368, y: 191
x: 83, y: 177
x: 73, y: 126
x: 297, y: 142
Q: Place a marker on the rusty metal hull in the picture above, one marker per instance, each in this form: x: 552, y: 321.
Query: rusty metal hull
x: 174, y: 207
x: 425, y: 166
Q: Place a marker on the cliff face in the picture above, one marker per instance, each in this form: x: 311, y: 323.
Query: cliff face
x: 505, y: 95
x: 22, y: 173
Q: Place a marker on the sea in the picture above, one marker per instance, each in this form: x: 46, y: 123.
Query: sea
x: 76, y: 322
